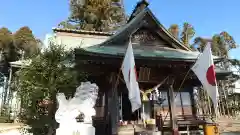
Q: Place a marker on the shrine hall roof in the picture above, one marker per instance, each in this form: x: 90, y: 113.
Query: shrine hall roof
x: 149, y: 53
x: 169, y: 48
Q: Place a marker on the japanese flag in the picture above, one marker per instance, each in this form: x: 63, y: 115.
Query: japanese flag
x: 130, y: 77
x: 204, y: 70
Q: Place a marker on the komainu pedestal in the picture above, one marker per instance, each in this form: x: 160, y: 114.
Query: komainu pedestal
x: 78, y: 129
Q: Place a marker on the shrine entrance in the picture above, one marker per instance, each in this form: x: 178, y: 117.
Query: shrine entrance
x: 125, y: 108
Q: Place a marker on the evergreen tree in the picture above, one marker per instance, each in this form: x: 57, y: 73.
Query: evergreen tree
x: 6, y: 38
x: 8, y: 51
x: 186, y: 34
x: 174, y: 30
x: 25, y: 41
x: 22, y: 40
x: 221, y: 43
x: 95, y: 15
x: 10, y: 45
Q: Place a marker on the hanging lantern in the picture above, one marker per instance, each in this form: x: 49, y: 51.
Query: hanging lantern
x: 47, y: 101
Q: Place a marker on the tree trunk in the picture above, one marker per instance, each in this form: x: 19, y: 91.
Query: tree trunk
x: 52, y: 108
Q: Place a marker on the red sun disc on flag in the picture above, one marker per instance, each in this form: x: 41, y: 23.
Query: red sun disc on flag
x: 211, y: 76
x: 136, y: 72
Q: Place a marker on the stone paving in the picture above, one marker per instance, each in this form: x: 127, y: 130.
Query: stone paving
x: 10, y: 128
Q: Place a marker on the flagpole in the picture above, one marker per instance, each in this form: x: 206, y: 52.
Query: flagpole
x: 119, y: 72
x: 216, y: 112
x: 117, y: 81
x: 121, y: 107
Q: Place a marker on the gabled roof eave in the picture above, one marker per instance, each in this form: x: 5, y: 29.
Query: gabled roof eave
x: 137, y: 19
x: 166, y: 31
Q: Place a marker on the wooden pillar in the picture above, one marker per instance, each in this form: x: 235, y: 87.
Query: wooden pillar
x: 209, y: 105
x: 193, y: 103
x: 234, y: 104
x: 202, y: 102
x: 223, y: 111
x: 181, y: 103
x: 205, y: 103
x: 113, y: 104
x: 101, y: 120
x: 225, y: 98
x: 172, y: 108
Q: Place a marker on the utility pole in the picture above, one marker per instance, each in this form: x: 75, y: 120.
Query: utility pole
x: 4, y: 92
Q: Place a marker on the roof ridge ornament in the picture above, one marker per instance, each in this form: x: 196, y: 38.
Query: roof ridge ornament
x: 141, y: 5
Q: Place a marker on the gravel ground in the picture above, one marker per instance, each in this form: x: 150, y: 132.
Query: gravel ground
x: 9, y: 125
x: 229, y: 124
x: 11, y: 132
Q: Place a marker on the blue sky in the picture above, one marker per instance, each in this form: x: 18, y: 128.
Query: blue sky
x: 207, y: 16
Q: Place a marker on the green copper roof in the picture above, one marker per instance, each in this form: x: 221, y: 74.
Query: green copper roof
x: 147, y: 53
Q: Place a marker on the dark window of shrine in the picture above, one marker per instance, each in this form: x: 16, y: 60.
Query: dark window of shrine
x: 183, y: 98
x: 164, y: 96
x: 144, y: 74
x: 182, y: 101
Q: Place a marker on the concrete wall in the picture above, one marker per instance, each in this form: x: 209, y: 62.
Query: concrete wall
x: 237, y: 87
x: 74, y: 40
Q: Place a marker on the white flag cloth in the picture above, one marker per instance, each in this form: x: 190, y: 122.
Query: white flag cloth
x: 204, y: 70
x: 130, y: 77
